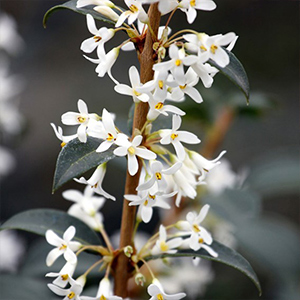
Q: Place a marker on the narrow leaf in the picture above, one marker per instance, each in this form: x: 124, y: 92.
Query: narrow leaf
x: 38, y: 221
x: 236, y: 73
x: 77, y: 158
x: 226, y: 256
x: 71, y: 5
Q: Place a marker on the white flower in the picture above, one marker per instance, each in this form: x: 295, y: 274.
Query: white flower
x: 177, y: 63
x: 146, y: 201
x: 63, y: 246
x: 164, y: 6
x: 63, y: 276
x: 59, y: 134
x: 104, y: 292
x: 105, y: 63
x: 96, y: 181
x: 132, y: 150
x: 158, y: 179
x: 135, y: 11
x: 190, y: 6
x: 86, y: 206
x: 175, y: 137
x: 82, y: 3
x: 82, y: 119
x: 164, y: 246
x: 135, y: 81
x: 157, y: 293
x: 157, y: 108
x: 101, y: 36
x: 107, y: 12
x: 200, y: 238
x: 191, y: 79
x: 72, y: 292
x: 109, y: 133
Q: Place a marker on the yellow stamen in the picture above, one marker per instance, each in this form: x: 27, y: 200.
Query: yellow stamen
x: 201, y: 241
x: 193, y: 3
x: 159, y: 105
x: 213, y: 48
x: 160, y: 84
x: 97, y: 38
x: 136, y: 93
x: 182, y: 86
x: 131, y: 150
x: 63, y: 247
x: 203, y: 48
x: 64, y: 277
x: 163, y: 246
x: 160, y: 297
x: 133, y: 8
x: 174, y: 136
x: 102, y: 298
x: 178, y: 62
x: 152, y: 197
x: 158, y: 176
x: 146, y: 203
x: 63, y: 144
x: 71, y: 295
x: 81, y: 119
x: 196, y: 228
x: 110, y: 137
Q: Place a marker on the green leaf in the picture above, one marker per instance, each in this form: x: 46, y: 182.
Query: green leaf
x: 226, y: 256
x: 236, y: 73
x: 40, y: 220
x: 77, y: 158
x: 71, y: 5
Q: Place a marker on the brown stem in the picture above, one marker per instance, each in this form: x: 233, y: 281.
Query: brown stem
x: 123, y: 268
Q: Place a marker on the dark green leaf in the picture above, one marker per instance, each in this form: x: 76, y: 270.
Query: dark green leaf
x: 71, y: 5
x: 225, y: 255
x: 236, y: 73
x: 40, y: 220
x: 77, y: 158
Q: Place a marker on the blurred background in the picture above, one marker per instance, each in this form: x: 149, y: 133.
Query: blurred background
x: 43, y: 73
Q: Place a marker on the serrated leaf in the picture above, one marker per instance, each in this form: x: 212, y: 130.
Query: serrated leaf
x: 38, y: 221
x: 77, y: 158
x: 71, y: 5
x: 226, y: 256
x: 236, y: 73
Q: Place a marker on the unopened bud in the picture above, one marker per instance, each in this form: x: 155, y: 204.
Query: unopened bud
x: 128, y: 250
x: 140, y: 279
x: 148, y: 129
x: 155, y: 46
x: 107, y: 12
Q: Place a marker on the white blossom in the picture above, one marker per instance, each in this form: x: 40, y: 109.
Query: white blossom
x: 156, y: 291
x: 64, y: 246
x: 59, y: 134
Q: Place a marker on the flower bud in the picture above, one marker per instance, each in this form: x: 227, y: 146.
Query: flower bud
x: 128, y: 250
x: 140, y: 279
x: 107, y: 12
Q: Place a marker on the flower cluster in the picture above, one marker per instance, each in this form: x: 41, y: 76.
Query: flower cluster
x: 181, y: 61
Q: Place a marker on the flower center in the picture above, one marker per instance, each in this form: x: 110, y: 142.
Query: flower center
x: 131, y: 150
x: 97, y: 38
x: 71, y: 295
x: 81, y: 119
x: 213, y: 48
x: 160, y: 84
x: 136, y: 93
x: 110, y: 137
x: 178, y: 62
x: 203, y: 48
x: 158, y: 176
x: 196, y: 228
x: 133, y: 8
x: 63, y: 144
x: 63, y: 247
x: 193, y: 3
x: 146, y: 203
x: 102, y: 297
x: 174, y: 136
x: 159, y: 105
x: 64, y: 277
x: 152, y: 197
x: 160, y: 297
x: 200, y: 241
x: 182, y: 86
x: 163, y: 247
